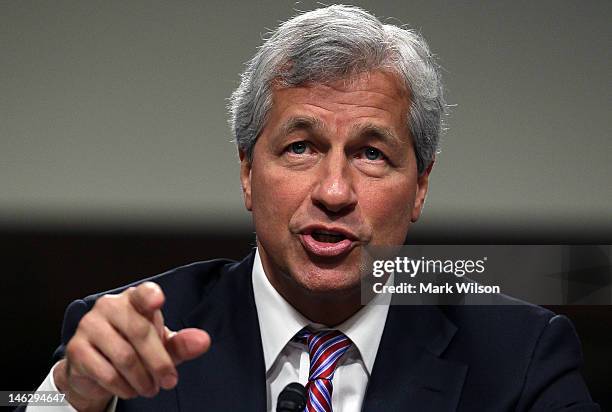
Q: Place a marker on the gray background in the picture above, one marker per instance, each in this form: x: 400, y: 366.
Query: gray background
x: 113, y: 113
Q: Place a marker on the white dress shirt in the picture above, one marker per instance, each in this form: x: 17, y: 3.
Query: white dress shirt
x: 287, y: 361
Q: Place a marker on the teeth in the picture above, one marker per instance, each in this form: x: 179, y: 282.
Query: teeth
x: 327, y: 237
x: 325, y: 232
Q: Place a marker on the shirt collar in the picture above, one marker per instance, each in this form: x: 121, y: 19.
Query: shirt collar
x: 364, y: 328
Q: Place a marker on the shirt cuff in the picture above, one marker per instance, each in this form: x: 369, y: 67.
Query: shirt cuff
x: 49, y: 385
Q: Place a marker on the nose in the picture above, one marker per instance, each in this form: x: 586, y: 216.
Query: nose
x: 334, y: 191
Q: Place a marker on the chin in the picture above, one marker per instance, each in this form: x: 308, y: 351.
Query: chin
x: 333, y: 281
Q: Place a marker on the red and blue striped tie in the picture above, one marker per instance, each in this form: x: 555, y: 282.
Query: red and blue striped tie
x: 325, y: 348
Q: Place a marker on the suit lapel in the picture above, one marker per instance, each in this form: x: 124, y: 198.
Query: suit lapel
x: 408, y: 373
x: 231, y: 375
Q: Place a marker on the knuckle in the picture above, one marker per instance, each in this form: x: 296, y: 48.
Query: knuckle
x: 105, y: 302
x: 74, y: 350
x: 149, y: 287
x: 86, y: 322
x: 127, y: 358
x: 111, y: 379
x: 126, y: 293
x: 140, y: 330
x: 148, y: 290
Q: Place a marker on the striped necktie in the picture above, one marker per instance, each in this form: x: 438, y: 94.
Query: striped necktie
x: 325, y: 349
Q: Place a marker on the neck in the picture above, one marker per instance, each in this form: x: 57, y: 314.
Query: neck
x: 321, y: 308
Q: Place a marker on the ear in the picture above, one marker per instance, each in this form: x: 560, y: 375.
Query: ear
x: 421, y: 192
x: 245, y: 178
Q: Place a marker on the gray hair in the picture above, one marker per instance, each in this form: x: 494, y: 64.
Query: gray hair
x: 335, y: 43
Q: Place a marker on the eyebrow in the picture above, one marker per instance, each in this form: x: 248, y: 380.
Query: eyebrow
x: 381, y: 133
x: 306, y: 123
x: 316, y: 126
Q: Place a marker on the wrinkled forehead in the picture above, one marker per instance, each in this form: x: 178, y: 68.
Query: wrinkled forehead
x: 368, y: 97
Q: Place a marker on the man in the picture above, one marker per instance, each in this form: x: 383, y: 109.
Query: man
x: 337, y: 120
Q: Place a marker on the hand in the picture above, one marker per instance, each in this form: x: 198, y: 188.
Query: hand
x: 122, y: 348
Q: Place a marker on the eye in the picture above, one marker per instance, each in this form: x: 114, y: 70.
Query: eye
x: 298, y: 147
x: 372, y: 153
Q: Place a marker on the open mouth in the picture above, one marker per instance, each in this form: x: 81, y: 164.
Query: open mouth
x: 327, y: 243
x: 327, y: 237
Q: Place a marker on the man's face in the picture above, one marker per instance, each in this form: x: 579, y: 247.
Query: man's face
x: 333, y: 170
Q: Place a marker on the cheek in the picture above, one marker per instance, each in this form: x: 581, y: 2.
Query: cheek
x: 275, y: 193
x: 390, y: 214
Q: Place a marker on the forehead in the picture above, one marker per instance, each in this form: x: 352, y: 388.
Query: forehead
x: 377, y: 96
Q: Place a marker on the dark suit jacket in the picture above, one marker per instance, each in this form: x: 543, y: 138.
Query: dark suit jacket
x: 499, y: 358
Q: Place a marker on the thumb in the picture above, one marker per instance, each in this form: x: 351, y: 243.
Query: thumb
x: 186, y: 344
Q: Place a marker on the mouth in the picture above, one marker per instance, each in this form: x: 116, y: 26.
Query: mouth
x: 328, y: 242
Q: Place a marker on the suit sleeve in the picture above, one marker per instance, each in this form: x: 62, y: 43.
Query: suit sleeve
x: 74, y: 312
x: 553, y: 381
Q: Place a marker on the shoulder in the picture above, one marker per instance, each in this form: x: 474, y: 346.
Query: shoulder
x: 507, y: 328
x: 523, y: 353
x: 184, y: 288
x: 503, y: 313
